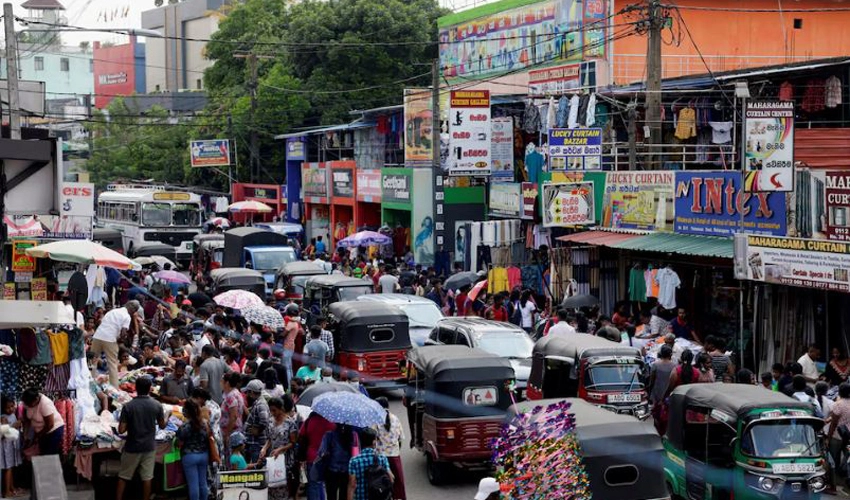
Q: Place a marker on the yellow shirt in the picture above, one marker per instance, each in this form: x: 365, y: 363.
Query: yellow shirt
x: 497, y: 280
x: 687, y: 125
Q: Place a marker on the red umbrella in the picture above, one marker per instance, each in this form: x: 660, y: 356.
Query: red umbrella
x: 476, y: 290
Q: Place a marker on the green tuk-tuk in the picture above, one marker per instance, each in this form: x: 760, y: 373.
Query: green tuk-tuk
x: 738, y: 441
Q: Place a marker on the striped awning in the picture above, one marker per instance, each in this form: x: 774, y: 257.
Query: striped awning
x: 598, y: 238
x: 682, y: 244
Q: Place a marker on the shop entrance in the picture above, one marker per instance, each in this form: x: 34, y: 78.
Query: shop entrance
x: 399, y: 222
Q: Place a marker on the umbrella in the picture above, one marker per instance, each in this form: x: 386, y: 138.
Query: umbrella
x: 218, y: 222
x: 238, y: 299
x: 577, y: 301
x: 314, y: 391
x: 460, y: 280
x: 349, y: 408
x: 156, y: 260
x: 263, y: 315
x: 82, y: 252
x: 249, y: 207
x: 365, y: 239
x: 172, y: 277
x: 476, y: 290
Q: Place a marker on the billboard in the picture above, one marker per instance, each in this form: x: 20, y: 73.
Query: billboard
x: 837, y: 197
x: 210, y: 153
x: 502, y: 149
x: 506, y: 199
x: 769, y: 137
x: 314, y: 183
x: 575, y: 149
x: 469, y: 132
x: 342, y: 180
x: 710, y: 204
x: 820, y: 264
x: 418, y: 121
x: 568, y: 204
x: 115, y: 71
x: 369, y: 185
x: 554, y: 81
x: 639, y: 201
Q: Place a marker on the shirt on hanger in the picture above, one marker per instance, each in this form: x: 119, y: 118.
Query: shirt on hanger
x: 721, y: 132
x: 686, y: 127
x: 833, y: 92
x: 572, y: 121
x: 668, y: 281
x: 590, y: 115
x: 534, y: 165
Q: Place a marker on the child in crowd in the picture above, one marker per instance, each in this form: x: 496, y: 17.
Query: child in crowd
x: 10, y: 446
x: 767, y: 381
x: 237, y: 447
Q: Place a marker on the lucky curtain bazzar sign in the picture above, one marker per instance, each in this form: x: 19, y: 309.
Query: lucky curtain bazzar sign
x: 638, y: 200
x: 820, y: 264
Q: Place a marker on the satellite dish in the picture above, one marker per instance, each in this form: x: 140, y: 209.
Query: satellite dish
x: 78, y: 291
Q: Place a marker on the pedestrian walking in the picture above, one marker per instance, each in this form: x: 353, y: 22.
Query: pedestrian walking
x: 335, y: 454
x: 193, y: 438
x: 257, y: 423
x: 311, y: 436
x: 232, y: 410
x: 390, y: 439
x: 139, y: 419
x: 360, y: 467
x: 683, y: 374
x: 292, y: 329
x: 283, y: 436
x: 114, y: 325
x: 211, y: 372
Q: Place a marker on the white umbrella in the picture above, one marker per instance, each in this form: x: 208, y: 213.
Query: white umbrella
x: 81, y: 252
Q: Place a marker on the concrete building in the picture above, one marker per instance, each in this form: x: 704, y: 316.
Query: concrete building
x: 119, y: 70
x: 176, y: 62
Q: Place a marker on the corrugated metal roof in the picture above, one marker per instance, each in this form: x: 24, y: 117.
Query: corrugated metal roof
x: 684, y: 244
x: 600, y: 238
x: 346, y: 126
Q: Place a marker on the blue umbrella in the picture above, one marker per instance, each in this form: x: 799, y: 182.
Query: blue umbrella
x: 365, y: 239
x: 349, y: 408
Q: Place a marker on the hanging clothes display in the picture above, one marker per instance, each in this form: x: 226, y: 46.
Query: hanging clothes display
x: 590, y: 114
x: 533, y: 163
x: 668, y: 282
x: 686, y: 126
x: 814, y: 98
x: 637, y: 284
x: 721, y: 132
x: 531, y: 118
x: 572, y: 120
x: 833, y: 92
x: 563, y: 114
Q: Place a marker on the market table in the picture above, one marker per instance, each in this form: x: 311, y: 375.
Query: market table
x: 84, y: 458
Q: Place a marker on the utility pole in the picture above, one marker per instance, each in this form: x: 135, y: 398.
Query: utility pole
x: 437, y: 171
x: 12, y: 72
x: 252, y: 85
x: 653, y: 81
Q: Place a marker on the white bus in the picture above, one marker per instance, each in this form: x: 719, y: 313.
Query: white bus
x: 151, y: 214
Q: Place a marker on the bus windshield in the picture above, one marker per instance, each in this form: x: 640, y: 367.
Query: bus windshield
x: 186, y: 214
x: 156, y: 214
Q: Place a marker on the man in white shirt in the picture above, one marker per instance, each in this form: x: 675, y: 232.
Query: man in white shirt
x: 105, y: 340
x: 653, y: 325
x: 562, y: 327
x: 388, y: 282
x: 807, y: 361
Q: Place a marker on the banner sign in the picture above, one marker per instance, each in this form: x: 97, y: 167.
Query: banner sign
x: 502, y: 149
x: 820, y: 264
x: 529, y: 200
x: 212, y: 153
x: 769, y: 136
x: 554, y: 81
x: 343, y: 182
x: 568, y: 204
x: 369, y: 186
x: 506, y: 199
x: 595, y: 17
x: 295, y: 149
x: 469, y: 132
x: 9, y: 291
x: 639, y: 200
x: 418, y: 116
x: 314, y: 183
x: 575, y: 149
x: 396, y: 188
x: 243, y: 485
x: 710, y: 204
x: 78, y: 199
x: 837, y: 187
x: 38, y: 288
x: 263, y: 193
x: 21, y: 262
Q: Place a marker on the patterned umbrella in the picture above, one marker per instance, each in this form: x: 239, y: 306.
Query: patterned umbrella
x: 218, y: 222
x: 349, y: 408
x: 314, y: 391
x: 365, y: 239
x: 172, y: 277
x: 476, y: 290
x: 82, y: 252
x: 263, y: 315
x: 238, y: 299
x: 249, y: 207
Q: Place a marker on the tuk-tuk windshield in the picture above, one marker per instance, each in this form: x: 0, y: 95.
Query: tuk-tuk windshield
x: 613, y: 376
x: 347, y: 293
x: 265, y: 260
x: 781, y: 438
x: 299, y: 283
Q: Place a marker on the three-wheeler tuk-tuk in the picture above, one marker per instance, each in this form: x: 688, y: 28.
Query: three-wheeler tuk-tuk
x: 623, y: 458
x: 456, y: 398
x: 292, y: 278
x: 373, y: 339
x: 210, y: 256
x: 110, y: 238
x: 322, y: 291
x: 237, y: 278
x: 592, y: 368
x: 199, y: 240
x: 738, y: 441
x: 153, y: 250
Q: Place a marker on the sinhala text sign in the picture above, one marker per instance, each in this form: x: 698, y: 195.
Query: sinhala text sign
x: 575, y: 149
x: 568, y: 204
x: 211, y: 153
x: 769, y: 136
x: 243, y: 485
x: 799, y: 262
x: 469, y: 132
x: 638, y: 200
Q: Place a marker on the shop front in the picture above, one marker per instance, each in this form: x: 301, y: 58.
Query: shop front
x: 270, y: 194
x: 367, y: 208
x: 315, y: 189
x: 408, y: 211
x: 343, y: 186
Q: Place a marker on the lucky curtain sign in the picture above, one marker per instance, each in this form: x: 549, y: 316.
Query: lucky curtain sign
x: 502, y: 149
x: 568, y: 204
x: 470, y: 133
x: 769, y: 136
x: 575, y: 149
x: 820, y: 264
x: 639, y: 200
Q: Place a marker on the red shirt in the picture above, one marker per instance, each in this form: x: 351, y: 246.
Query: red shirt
x: 314, y: 429
x: 619, y: 321
x: 499, y: 313
x: 460, y: 304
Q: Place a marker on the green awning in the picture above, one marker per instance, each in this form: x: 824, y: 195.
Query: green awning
x: 683, y: 244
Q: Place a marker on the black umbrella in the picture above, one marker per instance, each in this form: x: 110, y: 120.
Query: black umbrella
x: 577, y: 301
x: 460, y: 280
x: 320, y: 388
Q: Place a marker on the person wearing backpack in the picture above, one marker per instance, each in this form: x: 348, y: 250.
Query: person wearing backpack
x: 335, y: 453
x: 369, y: 472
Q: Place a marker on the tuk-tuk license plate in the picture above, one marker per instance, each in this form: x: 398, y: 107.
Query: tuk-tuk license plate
x: 624, y: 398
x: 793, y: 468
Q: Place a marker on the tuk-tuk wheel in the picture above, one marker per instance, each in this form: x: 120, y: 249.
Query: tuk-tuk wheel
x: 437, y: 471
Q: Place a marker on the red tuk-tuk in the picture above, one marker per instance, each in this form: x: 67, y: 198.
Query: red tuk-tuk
x: 373, y: 339
x: 605, y: 373
x: 456, y: 398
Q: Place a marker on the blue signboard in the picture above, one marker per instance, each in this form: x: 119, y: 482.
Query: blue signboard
x: 708, y: 203
x: 575, y: 149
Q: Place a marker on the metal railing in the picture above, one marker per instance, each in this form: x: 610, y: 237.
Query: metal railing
x: 672, y: 156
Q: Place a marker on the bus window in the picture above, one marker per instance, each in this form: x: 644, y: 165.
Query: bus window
x: 156, y: 214
x: 186, y: 214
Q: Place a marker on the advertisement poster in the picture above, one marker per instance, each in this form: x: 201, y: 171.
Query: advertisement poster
x: 295, y: 149
x: 343, y: 182
x: 595, y: 15
x: 38, y: 288
x: 9, y: 291
x: 769, y: 136
x: 837, y: 188
x: 78, y: 199
x: 21, y: 262
x: 422, y: 217
x: 506, y: 200
x: 568, y: 204
x: 639, y: 200
x: 710, y: 204
x: 554, y: 81
x: 469, y: 132
x: 314, y: 184
x: 418, y: 116
x: 369, y: 186
x: 502, y: 149
x: 396, y: 188
x: 243, y: 485
x: 575, y: 149
x: 529, y: 200
x: 212, y: 153
x: 820, y: 264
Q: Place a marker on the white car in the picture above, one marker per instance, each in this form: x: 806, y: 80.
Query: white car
x: 422, y: 313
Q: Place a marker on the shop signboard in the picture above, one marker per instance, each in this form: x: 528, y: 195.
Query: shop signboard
x: 594, y: 26
x: 529, y: 200
x: 710, y: 204
x: 9, y: 291
x: 638, y: 200
x: 295, y: 149
x: 422, y: 222
x: 396, y: 188
x: 568, y: 204
x: 211, y: 153
x: 469, y: 133
x: 502, y: 149
x: 554, y: 81
x: 342, y: 180
x: 261, y: 193
x: 769, y: 137
x: 243, y: 485
x: 369, y: 186
x: 506, y: 199
x: 284, y: 193
x: 418, y: 124
x: 38, y: 288
x: 837, y: 196
x: 820, y: 264
x: 575, y: 149
x: 314, y: 183
x: 21, y: 262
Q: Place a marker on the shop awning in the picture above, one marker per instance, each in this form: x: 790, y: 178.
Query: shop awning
x: 683, y: 244
x: 599, y: 238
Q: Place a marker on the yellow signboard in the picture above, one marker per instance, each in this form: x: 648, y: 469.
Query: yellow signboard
x: 171, y: 196
x: 21, y: 262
